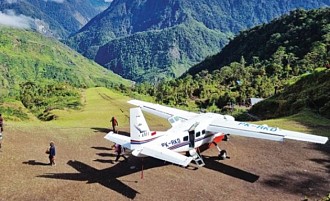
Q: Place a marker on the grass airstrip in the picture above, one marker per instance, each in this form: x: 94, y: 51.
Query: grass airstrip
x: 85, y: 168
x: 100, y: 104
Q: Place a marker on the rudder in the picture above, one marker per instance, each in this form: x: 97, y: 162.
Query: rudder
x: 139, y: 129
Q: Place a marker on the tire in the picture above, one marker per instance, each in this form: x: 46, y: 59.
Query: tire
x: 223, y: 155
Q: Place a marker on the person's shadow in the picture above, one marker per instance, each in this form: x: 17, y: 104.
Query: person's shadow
x: 33, y: 162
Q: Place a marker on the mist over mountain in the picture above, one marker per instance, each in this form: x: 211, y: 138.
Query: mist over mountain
x: 137, y: 38
x: 56, y: 18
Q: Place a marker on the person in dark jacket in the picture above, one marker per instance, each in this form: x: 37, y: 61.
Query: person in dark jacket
x: 1, y: 123
x: 119, y: 150
x: 52, y: 152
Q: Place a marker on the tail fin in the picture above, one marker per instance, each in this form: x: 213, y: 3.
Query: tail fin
x: 139, y: 129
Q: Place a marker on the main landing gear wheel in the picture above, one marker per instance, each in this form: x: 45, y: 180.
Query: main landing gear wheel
x: 223, y: 155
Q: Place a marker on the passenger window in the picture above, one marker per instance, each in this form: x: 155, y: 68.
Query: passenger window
x: 203, y: 132
x: 198, y: 134
x: 185, y: 138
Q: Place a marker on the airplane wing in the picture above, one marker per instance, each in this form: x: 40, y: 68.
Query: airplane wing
x: 156, y: 152
x: 262, y: 131
x: 164, y: 154
x: 162, y: 111
x: 119, y: 139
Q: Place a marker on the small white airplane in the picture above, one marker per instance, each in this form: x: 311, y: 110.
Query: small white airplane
x: 191, y: 131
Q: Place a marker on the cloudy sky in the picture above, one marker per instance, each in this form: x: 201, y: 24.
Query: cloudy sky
x: 57, y: 1
x: 9, y: 18
x: 15, y: 1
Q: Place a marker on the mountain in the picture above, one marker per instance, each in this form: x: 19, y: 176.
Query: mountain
x: 57, y: 18
x: 297, y: 33
x: 27, y: 56
x: 145, y: 52
x: 138, y: 37
x: 285, y: 59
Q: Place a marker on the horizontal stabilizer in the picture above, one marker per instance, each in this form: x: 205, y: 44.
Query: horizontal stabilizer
x: 166, y: 155
x: 119, y: 139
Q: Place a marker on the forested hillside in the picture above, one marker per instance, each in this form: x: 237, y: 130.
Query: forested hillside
x: 293, y: 37
x: 144, y: 52
x: 311, y: 91
x: 35, y: 70
x: 128, y: 37
x: 51, y: 18
x: 286, y: 57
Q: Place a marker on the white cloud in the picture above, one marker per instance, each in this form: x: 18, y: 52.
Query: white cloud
x: 11, y: 1
x: 16, y: 1
x: 19, y: 21
x: 56, y: 1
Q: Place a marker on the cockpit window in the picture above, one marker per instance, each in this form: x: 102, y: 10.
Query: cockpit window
x: 174, y: 119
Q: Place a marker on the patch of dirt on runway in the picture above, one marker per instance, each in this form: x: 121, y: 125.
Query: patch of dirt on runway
x: 85, y: 170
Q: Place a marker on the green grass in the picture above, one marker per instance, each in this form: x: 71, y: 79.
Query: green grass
x: 100, y: 104
x: 29, y: 56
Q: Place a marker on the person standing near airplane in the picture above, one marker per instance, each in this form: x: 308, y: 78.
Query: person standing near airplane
x: 114, y: 123
x: 1, y: 123
x: 52, y: 152
x: 119, y: 150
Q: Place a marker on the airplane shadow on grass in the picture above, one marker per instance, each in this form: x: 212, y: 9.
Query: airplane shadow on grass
x: 324, y: 149
x: 211, y: 162
x: 107, y: 177
x: 306, y: 182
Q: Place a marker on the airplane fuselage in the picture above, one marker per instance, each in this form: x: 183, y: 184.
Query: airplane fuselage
x: 187, y: 135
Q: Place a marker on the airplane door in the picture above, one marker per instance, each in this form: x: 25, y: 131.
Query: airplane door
x: 192, y: 138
